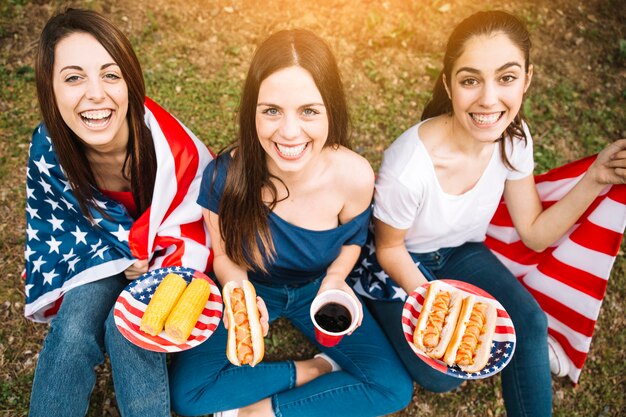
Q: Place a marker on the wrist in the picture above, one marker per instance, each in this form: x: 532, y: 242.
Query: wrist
x: 332, y: 281
x: 591, y: 182
x: 333, y: 278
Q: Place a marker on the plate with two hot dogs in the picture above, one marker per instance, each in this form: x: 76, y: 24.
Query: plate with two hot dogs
x: 458, y: 329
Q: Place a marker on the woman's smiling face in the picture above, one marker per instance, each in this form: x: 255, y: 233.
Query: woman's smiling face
x: 90, y: 92
x: 487, y: 85
x: 291, y: 120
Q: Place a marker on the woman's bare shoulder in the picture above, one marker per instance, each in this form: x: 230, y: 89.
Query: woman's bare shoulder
x: 351, y: 167
x: 354, y: 178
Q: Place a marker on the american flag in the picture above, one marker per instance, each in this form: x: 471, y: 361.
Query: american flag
x: 64, y: 249
x: 569, y: 279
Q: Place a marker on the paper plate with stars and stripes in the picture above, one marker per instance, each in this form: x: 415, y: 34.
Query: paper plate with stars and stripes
x: 133, y: 301
x: 503, y: 344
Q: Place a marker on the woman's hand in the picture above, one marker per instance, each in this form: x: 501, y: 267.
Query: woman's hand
x: 610, y: 165
x: 137, y: 269
x: 264, y: 316
x: 335, y: 284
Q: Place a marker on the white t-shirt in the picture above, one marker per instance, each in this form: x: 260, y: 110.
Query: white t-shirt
x: 408, y: 194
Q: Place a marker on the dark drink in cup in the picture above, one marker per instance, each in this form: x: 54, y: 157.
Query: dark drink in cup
x: 333, y: 317
x: 334, y: 314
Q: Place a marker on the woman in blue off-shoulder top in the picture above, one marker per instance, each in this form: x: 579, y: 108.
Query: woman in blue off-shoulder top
x: 287, y: 207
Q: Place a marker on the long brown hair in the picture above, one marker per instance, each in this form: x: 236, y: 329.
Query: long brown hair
x: 481, y: 23
x: 243, y: 214
x: 69, y: 148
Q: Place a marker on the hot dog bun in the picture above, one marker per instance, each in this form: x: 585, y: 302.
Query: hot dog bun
x: 470, y: 345
x: 437, y: 320
x: 245, y: 344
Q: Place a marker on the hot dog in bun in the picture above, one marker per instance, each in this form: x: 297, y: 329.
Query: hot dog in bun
x: 471, y: 342
x: 245, y: 336
x: 437, y: 320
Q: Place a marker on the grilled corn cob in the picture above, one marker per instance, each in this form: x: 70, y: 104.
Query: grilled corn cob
x: 165, y: 297
x: 185, y: 314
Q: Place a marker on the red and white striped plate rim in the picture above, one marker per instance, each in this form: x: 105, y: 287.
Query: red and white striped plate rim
x: 503, y: 344
x: 132, y: 303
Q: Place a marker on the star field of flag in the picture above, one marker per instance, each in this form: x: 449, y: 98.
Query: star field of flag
x: 370, y: 280
x: 62, y: 245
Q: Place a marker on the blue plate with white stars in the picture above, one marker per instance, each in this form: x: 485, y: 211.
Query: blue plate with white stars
x: 503, y: 344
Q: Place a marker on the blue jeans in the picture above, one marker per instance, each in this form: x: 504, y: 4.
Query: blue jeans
x: 372, y: 381
x: 526, y: 380
x: 78, y: 337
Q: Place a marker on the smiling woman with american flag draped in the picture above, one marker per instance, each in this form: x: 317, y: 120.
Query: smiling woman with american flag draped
x: 112, y: 181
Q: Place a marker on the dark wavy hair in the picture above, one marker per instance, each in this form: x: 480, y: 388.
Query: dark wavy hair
x: 70, y: 149
x: 481, y: 23
x: 243, y: 214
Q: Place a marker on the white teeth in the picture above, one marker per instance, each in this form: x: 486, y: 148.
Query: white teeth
x: 96, y: 114
x: 291, y: 151
x: 486, y: 119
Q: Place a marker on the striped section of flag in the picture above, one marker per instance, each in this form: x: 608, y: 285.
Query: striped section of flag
x: 569, y: 279
x: 180, y: 231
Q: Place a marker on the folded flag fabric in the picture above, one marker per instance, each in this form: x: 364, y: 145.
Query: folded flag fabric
x: 569, y: 279
x: 64, y: 249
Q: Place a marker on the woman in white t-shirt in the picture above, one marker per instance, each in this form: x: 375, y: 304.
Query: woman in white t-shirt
x: 440, y: 183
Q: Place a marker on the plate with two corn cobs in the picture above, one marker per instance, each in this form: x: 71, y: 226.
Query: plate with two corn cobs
x: 502, y: 345
x: 169, y: 309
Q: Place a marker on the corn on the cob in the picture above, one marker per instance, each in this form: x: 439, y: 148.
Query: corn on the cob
x: 185, y: 314
x: 165, y: 297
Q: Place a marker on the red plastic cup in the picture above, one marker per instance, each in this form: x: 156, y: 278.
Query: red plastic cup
x: 330, y: 338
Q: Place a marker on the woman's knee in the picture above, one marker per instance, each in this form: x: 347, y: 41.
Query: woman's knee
x: 426, y: 377
x: 185, y: 388
x: 182, y: 397
x: 532, y: 324
x: 74, y: 337
x: 439, y: 385
x: 395, y: 386
x: 179, y: 394
x: 179, y: 405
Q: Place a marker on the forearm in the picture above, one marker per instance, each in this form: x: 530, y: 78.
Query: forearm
x: 552, y: 223
x: 226, y: 270
x: 398, y: 264
x: 342, y: 265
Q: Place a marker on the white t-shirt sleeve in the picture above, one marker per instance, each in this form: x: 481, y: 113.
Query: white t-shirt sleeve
x: 521, y: 157
x: 399, y: 188
x: 394, y: 203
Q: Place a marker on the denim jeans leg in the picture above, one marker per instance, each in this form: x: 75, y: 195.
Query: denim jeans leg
x: 73, y: 347
x: 139, y: 376
x: 389, y: 315
x: 526, y: 381
x: 372, y: 381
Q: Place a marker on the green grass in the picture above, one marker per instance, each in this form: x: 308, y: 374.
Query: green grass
x: 195, y: 54
x: 594, y: 117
